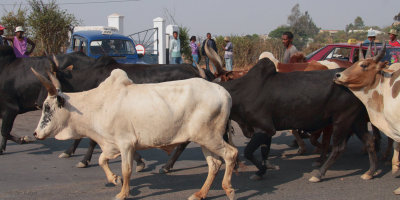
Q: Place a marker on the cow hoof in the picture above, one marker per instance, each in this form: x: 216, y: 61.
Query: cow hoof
x: 314, y: 179
x: 81, y: 165
x: 64, y: 155
x: 366, y: 177
x: 395, y: 169
x: 163, y: 171
x: 397, y: 191
x: 194, y: 197
x: 140, y: 166
x: 231, y: 195
x: 28, y: 139
x: 255, y: 177
x: 301, y: 151
x: 118, y: 181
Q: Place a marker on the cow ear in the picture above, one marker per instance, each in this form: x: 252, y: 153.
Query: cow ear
x: 60, y: 101
x: 69, y: 68
x: 382, y: 65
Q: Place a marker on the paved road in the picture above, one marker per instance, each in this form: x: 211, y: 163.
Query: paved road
x: 34, y: 171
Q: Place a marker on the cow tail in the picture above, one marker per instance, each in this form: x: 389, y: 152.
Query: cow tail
x: 228, y: 137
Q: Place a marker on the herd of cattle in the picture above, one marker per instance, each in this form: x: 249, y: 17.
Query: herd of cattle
x: 125, y: 108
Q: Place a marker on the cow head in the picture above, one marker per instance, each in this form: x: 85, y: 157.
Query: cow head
x: 53, y: 117
x: 361, y: 73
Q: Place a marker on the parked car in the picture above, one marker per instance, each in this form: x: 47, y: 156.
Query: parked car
x: 349, y: 52
x: 99, y: 43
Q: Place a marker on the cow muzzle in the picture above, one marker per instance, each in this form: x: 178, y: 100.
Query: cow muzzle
x: 36, y: 136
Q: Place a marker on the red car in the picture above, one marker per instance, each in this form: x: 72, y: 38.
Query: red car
x: 349, y: 52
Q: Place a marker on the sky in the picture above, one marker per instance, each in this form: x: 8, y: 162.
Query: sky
x: 226, y: 17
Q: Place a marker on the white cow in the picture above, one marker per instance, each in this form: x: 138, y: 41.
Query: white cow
x: 123, y: 117
x: 378, y: 88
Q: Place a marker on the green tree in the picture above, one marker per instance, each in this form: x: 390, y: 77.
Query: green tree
x: 13, y: 19
x: 302, y: 26
x: 184, y: 38
x: 50, y: 26
x: 277, y: 33
x: 359, y: 23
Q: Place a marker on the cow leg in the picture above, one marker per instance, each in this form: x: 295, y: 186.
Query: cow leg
x: 6, y: 126
x: 326, y: 141
x: 170, y: 163
x: 256, y: 141
x: 140, y: 165
x: 212, y: 154
x: 338, y: 148
x: 111, y: 177
x: 126, y: 164
x: 369, y: 141
x: 395, y: 159
x: 300, y: 142
x: 71, y: 150
x: 389, y: 149
x: 377, y: 134
x: 314, y: 141
x: 214, y: 163
x: 88, y: 156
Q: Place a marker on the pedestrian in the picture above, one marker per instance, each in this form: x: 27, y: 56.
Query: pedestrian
x: 3, y: 41
x: 392, y: 35
x: 263, y: 141
x: 195, y: 50
x: 211, y: 43
x: 371, y: 36
x: 228, y: 53
x: 20, y: 43
x: 290, y: 49
x: 175, y: 49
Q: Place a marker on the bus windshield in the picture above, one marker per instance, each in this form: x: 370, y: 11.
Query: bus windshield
x: 111, y: 47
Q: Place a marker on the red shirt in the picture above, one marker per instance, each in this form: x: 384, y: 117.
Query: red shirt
x: 396, y: 43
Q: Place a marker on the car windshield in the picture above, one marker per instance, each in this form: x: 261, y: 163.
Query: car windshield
x: 313, y: 53
x: 111, y: 47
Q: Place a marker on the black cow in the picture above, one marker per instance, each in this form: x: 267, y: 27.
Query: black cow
x: 266, y: 101
x: 93, y: 72
x: 19, y: 90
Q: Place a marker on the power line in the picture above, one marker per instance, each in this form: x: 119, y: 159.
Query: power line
x: 74, y: 3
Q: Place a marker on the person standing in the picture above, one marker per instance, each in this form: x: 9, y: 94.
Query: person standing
x: 211, y: 43
x: 20, y: 43
x: 370, y: 37
x: 290, y: 49
x: 392, y: 35
x: 195, y: 50
x: 175, y: 49
x: 228, y: 53
x: 3, y: 41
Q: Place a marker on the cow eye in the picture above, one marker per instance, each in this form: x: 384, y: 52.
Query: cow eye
x: 364, y: 66
x: 46, y: 108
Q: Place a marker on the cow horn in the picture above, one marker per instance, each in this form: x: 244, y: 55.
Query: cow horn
x: 201, y: 71
x: 368, y: 54
x: 51, y: 89
x: 378, y: 57
x: 56, y: 61
x: 55, y: 81
x: 360, y: 53
x: 214, y: 57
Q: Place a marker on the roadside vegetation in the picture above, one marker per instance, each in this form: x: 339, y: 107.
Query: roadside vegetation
x: 48, y: 26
